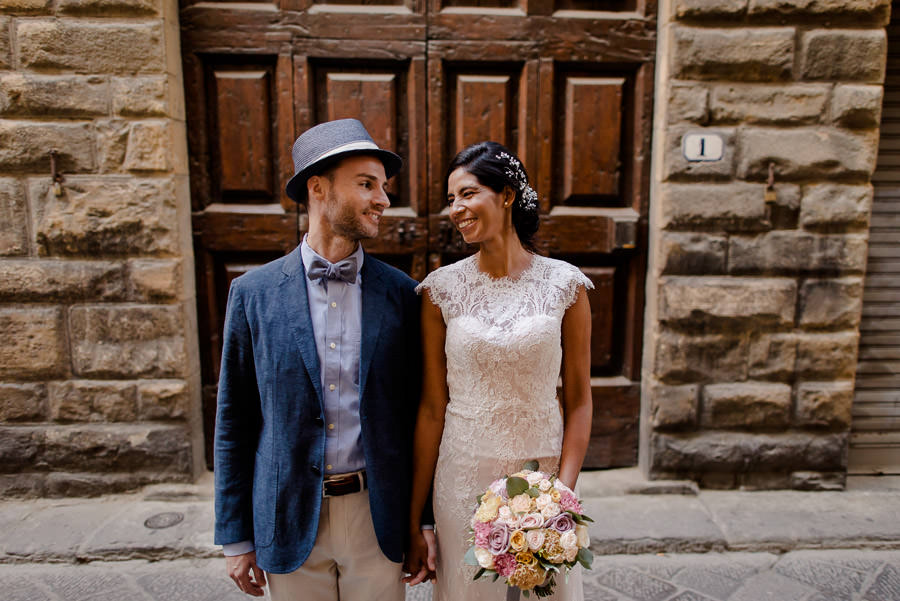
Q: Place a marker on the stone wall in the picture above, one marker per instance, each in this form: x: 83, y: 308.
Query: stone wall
x: 99, y: 376
x: 753, y: 307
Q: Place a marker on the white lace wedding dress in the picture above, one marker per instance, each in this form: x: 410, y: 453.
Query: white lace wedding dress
x: 503, y: 361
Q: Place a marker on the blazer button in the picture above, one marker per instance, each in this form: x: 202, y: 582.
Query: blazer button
x: 316, y: 470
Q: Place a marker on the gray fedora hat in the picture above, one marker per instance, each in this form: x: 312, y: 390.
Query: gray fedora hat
x: 327, y: 143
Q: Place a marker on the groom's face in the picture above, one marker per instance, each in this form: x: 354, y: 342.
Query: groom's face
x: 355, y: 197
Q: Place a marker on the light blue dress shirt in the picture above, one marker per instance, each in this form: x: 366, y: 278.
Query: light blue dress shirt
x: 336, y: 311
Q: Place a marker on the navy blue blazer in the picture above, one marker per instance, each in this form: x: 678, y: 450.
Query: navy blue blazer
x: 270, y: 429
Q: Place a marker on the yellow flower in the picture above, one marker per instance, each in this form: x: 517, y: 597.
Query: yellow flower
x: 554, y: 494
x: 526, y: 558
x: 518, y: 541
x: 527, y: 577
x: 488, y: 509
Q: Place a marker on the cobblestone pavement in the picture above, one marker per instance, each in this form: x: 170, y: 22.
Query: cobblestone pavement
x: 833, y: 575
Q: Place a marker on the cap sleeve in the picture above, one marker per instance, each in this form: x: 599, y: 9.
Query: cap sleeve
x: 438, y: 290
x: 573, y: 279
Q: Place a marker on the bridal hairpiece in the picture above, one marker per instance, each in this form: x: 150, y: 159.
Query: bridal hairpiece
x: 528, y: 198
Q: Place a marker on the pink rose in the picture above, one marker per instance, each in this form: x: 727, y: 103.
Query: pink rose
x: 482, y: 531
x: 498, y: 539
x: 568, y: 502
x: 532, y: 520
x: 505, y: 564
x: 561, y: 523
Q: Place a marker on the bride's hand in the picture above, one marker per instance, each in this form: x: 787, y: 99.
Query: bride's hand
x: 421, y: 558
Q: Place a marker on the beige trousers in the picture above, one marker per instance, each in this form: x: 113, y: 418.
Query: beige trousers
x: 346, y: 563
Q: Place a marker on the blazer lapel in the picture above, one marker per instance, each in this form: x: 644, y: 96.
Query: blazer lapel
x: 297, y: 304
x: 373, y: 303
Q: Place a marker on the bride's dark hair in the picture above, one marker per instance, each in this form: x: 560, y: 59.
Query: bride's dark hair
x: 485, y: 161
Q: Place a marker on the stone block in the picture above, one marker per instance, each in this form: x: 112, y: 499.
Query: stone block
x: 797, y: 252
x: 5, y: 46
x: 697, y: 9
x: 106, y: 216
x: 27, y: 95
x: 857, y: 105
x: 772, y: 356
x: 727, y: 301
x: 154, y: 279
x: 691, y: 253
x: 835, y: 481
x: 13, y: 218
x: 676, y: 167
x: 746, y: 405
x: 685, y: 358
x: 163, y: 399
x: 688, y: 102
x: 19, y: 447
x: 827, y: 206
x: 93, y: 484
x: 768, y: 104
x: 148, y: 146
x: 26, y: 280
x: 112, y: 144
x: 738, y: 54
x: 806, y: 153
x: 109, y: 8
x: 673, y: 407
x: 825, y: 404
x: 830, y: 303
x: 140, y: 96
x: 93, y: 401
x: 128, y: 341
x: 26, y: 7
x: 34, y: 343
x: 25, y: 146
x: 91, y: 46
x: 23, y: 402
x: 734, y: 206
x: 827, y: 356
x: 20, y: 486
x: 843, y: 54
x: 733, y: 452
x: 866, y: 10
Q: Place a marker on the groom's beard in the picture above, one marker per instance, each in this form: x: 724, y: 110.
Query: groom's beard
x: 347, y: 222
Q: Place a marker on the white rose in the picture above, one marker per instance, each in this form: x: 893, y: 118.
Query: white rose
x: 550, y: 510
x: 532, y: 520
x: 544, y: 485
x: 571, y: 554
x: 584, y: 539
x: 568, y: 540
x: 542, y: 501
x: 534, y: 477
x: 484, y: 558
x: 520, y: 503
x: 535, y: 539
x: 505, y: 513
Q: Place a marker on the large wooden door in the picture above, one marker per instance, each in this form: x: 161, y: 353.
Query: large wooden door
x: 566, y: 83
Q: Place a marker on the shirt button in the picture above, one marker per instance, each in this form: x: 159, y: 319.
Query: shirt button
x: 332, y: 345
x: 333, y: 304
x: 331, y: 387
x: 331, y: 426
x: 328, y: 467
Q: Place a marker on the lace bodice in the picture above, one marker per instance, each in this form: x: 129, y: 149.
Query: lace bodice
x: 503, y: 349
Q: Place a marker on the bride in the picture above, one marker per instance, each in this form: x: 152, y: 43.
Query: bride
x: 499, y: 327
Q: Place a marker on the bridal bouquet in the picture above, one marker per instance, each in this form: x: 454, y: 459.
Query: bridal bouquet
x: 527, y: 528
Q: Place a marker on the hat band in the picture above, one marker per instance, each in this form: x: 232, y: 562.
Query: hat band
x: 365, y: 145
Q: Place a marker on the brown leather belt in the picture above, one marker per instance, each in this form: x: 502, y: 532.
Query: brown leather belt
x: 344, y: 484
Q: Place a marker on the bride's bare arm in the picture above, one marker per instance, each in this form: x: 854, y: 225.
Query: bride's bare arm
x: 430, y: 422
x: 576, y: 381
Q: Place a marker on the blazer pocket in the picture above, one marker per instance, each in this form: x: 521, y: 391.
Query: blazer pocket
x: 265, y: 496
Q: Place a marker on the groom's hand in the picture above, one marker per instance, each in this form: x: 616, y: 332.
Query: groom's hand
x: 239, y: 568
x: 421, y: 559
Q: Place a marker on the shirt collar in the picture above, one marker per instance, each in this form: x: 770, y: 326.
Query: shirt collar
x: 308, y: 254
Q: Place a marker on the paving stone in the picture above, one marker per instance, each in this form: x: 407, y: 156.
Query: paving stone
x: 183, y: 585
x: 839, y: 583
x: 700, y: 578
x: 886, y: 586
x: 770, y: 586
x: 18, y: 588
x: 90, y: 585
x: 56, y: 531
x: 690, y: 596
x: 636, y: 585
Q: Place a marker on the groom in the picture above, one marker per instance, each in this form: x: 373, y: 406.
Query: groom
x: 318, y: 392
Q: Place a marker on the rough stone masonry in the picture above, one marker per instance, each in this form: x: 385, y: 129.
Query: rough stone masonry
x: 99, y: 376
x: 754, y: 307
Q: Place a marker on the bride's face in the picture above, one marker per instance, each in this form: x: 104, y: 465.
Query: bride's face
x: 475, y: 209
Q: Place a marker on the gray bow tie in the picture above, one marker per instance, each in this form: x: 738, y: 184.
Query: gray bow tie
x: 323, y: 270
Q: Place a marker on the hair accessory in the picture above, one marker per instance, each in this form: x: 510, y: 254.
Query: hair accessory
x: 528, y: 199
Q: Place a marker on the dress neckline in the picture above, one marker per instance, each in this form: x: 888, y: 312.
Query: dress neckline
x: 503, y: 279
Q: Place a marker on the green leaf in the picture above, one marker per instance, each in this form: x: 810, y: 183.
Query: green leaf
x: 469, y: 557
x: 585, y: 558
x: 526, y: 594
x: 496, y: 575
x: 479, y: 574
x: 479, y: 498
x: 532, y: 465
x: 586, y: 518
x: 533, y: 492
x: 516, y: 486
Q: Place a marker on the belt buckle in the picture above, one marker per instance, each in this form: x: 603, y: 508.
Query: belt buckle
x: 358, y: 475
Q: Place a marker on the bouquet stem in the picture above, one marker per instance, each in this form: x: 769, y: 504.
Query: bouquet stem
x: 513, y: 593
